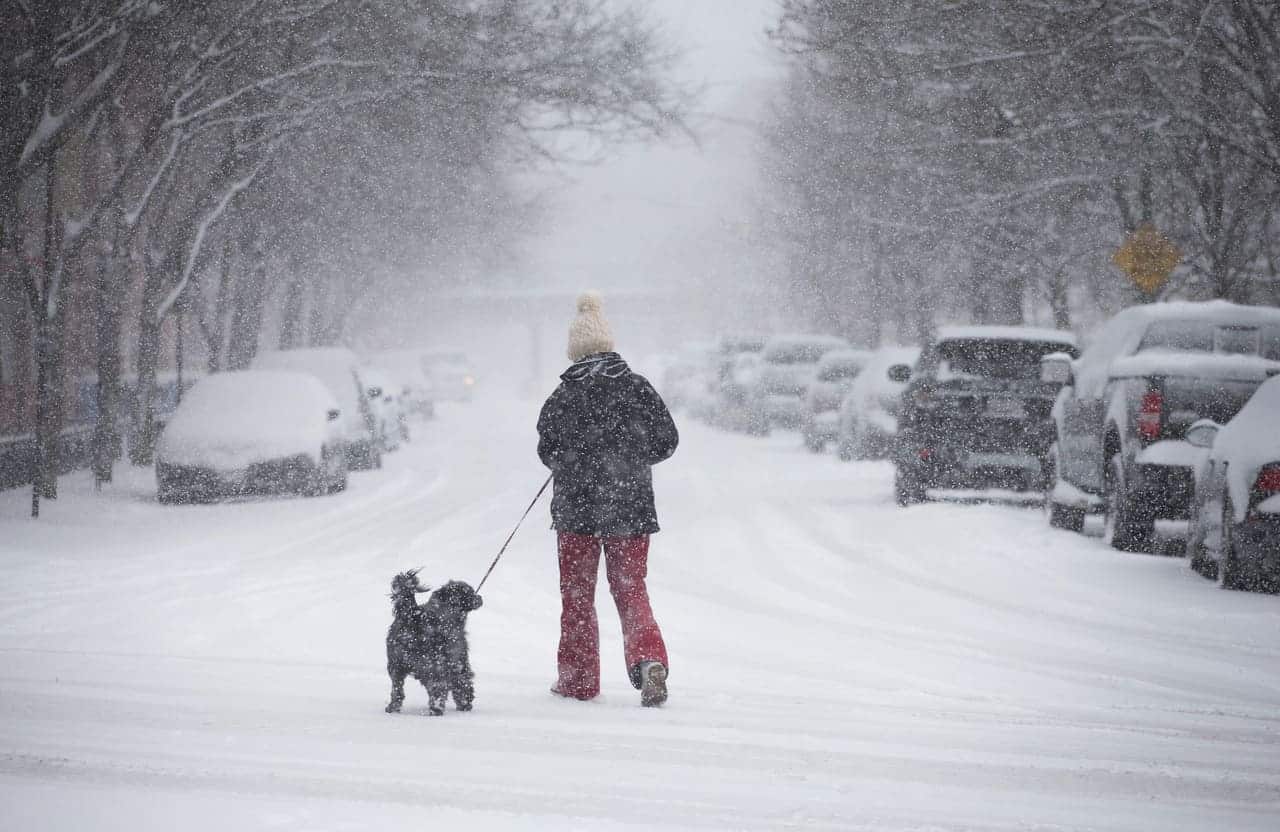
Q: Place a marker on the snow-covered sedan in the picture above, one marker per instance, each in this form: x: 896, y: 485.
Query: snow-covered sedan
x: 869, y: 413
x: 1234, y: 532
x: 338, y: 370
x: 837, y: 370
x: 252, y: 432
x: 789, y: 363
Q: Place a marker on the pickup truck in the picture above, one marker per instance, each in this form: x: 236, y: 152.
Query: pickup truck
x: 1121, y: 418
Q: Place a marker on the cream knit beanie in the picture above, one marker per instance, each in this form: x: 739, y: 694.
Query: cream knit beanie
x: 589, y: 333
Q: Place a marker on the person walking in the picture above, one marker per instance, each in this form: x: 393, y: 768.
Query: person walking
x: 600, y: 433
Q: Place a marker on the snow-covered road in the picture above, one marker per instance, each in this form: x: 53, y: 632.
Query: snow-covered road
x: 837, y: 663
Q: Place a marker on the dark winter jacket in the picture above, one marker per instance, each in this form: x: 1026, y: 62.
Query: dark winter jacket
x: 599, y: 433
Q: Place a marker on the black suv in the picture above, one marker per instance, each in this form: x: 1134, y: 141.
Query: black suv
x: 976, y: 413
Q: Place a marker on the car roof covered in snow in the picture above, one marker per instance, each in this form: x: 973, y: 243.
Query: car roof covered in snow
x: 336, y: 367
x: 1121, y: 335
x: 233, y: 419
x: 1007, y: 333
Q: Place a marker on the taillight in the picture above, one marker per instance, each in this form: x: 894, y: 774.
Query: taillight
x: 1149, y: 414
x: 1268, y: 481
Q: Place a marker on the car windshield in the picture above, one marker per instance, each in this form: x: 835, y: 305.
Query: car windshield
x: 1212, y: 337
x: 995, y: 358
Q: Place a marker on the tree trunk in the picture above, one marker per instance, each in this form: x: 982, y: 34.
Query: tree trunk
x: 1058, y: 300
x: 246, y: 316
x: 106, y: 434
x: 142, y: 443
x: 291, y: 315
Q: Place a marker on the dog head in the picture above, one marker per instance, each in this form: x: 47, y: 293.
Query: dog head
x: 406, y: 583
x: 458, y: 595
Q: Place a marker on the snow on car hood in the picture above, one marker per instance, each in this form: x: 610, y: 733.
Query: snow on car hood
x: 1248, y: 442
x: 229, y: 421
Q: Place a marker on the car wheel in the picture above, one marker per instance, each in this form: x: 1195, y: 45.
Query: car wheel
x: 907, y: 487
x: 1070, y: 518
x: 1230, y: 572
x: 1126, y: 529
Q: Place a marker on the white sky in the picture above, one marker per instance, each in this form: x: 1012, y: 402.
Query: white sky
x: 671, y: 213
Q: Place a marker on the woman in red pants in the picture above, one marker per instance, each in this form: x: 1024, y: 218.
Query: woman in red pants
x: 600, y: 433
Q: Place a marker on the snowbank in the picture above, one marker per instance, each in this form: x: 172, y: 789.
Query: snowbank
x: 229, y: 421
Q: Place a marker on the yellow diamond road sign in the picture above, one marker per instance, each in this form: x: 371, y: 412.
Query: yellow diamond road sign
x: 1148, y: 257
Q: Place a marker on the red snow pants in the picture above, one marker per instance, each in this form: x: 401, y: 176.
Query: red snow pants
x: 626, y: 564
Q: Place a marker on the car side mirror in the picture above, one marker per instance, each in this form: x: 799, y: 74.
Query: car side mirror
x: 375, y: 392
x: 1055, y: 368
x: 1202, y: 433
x: 333, y: 414
x: 899, y: 373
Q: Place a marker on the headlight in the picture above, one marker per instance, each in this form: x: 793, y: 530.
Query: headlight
x: 468, y: 380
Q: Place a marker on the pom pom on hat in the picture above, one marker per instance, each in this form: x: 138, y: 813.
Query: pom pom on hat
x: 589, y: 333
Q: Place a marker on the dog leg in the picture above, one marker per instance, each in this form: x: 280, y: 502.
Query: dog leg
x: 397, y: 693
x: 464, y: 689
x: 437, y: 698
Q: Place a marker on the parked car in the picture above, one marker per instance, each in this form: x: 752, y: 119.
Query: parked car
x: 338, y: 370
x: 390, y: 422
x: 451, y: 374
x: 868, y: 416
x: 736, y: 408
x: 1120, y: 423
x: 735, y: 356
x: 1234, y: 533
x: 820, y: 422
x: 252, y: 432
x: 976, y: 412
x: 413, y: 386
x: 688, y: 379
x: 789, y: 364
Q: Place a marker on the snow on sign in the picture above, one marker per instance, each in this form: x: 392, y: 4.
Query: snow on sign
x: 1148, y: 257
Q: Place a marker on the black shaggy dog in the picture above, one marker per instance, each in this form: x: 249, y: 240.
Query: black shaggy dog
x: 429, y: 642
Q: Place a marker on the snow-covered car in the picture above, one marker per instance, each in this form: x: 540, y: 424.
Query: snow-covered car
x: 390, y: 421
x: 789, y: 364
x: 252, y: 432
x: 734, y: 355
x: 868, y: 419
x: 734, y: 408
x: 688, y: 379
x: 339, y: 371
x: 976, y: 411
x: 413, y: 387
x: 1234, y: 533
x: 1120, y: 422
x: 451, y: 374
x: 837, y: 370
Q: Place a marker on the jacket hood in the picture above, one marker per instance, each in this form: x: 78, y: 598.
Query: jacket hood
x: 607, y: 364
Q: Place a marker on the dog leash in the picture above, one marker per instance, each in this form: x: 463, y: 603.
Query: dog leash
x: 536, y: 497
